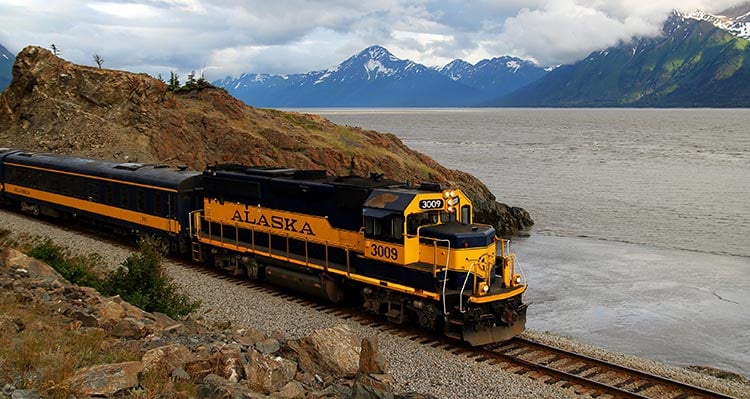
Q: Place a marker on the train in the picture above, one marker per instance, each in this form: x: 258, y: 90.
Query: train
x: 409, y: 253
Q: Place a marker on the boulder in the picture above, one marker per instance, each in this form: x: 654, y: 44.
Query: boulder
x: 128, y: 327
x: 110, y: 310
x: 165, y: 323
x: 373, y: 386
x: 332, y: 351
x: 371, y: 361
x: 248, y: 336
x: 267, y: 373
x: 372, y: 380
x: 229, y: 363
x: 199, y: 367
x: 26, y: 266
x: 86, y: 318
x: 268, y: 346
x: 167, y: 358
x: 292, y: 390
x: 105, y: 379
x: 215, y: 387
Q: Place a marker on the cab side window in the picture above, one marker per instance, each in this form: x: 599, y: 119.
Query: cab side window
x: 390, y: 228
x: 466, y: 214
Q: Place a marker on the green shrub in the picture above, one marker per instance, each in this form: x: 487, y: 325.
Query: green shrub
x: 142, y: 281
x: 79, y: 270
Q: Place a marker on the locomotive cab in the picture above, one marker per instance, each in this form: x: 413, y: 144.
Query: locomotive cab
x: 434, y: 231
x: 472, y: 277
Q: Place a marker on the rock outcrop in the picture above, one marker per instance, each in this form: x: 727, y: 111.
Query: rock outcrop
x: 53, y: 105
x: 222, y: 363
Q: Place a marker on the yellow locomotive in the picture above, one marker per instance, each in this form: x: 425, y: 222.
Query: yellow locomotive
x: 410, y: 253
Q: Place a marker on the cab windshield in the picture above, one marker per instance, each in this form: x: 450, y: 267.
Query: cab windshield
x: 415, y: 220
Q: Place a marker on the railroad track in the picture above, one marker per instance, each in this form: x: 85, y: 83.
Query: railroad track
x: 585, y: 375
x: 592, y: 376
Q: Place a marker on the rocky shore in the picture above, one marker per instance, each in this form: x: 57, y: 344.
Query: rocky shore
x: 254, y: 323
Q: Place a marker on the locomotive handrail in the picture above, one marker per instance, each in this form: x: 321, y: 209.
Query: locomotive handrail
x: 445, y: 271
x: 466, y: 280
x: 435, y: 252
x: 286, y: 254
x: 190, y: 220
x: 504, y: 247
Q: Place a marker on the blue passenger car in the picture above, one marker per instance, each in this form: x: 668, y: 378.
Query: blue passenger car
x: 131, y: 198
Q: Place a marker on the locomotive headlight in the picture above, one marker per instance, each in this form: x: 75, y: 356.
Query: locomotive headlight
x: 484, y: 288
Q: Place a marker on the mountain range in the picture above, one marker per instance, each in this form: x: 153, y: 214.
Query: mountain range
x: 374, y: 77
x: 6, y: 67
x: 699, y: 60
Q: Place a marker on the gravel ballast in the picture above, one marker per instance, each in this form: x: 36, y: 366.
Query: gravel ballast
x: 415, y: 367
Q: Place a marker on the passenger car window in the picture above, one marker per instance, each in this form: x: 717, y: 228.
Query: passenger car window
x: 158, y: 204
x: 140, y: 200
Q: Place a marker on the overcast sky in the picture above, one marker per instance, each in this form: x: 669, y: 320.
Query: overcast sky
x: 229, y: 37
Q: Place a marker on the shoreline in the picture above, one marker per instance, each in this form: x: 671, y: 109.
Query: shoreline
x: 625, y: 242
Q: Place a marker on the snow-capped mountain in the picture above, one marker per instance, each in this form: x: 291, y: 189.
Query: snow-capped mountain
x: 497, y: 76
x: 374, y: 77
x: 373, y: 63
x: 735, y: 20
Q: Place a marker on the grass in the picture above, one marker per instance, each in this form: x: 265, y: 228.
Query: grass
x: 41, y: 352
x: 296, y: 119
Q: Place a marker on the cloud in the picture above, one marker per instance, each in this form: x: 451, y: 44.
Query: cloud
x: 563, y: 31
x: 230, y: 37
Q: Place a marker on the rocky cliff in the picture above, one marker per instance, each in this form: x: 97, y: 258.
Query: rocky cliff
x: 53, y: 105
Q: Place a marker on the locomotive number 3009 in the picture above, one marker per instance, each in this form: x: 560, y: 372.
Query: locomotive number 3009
x: 431, y: 204
x: 381, y: 251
